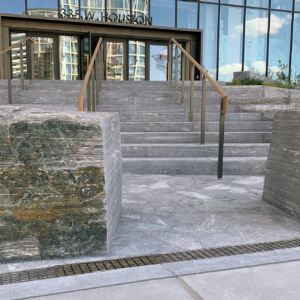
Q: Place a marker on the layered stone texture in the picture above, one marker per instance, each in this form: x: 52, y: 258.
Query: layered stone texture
x: 282, y: 181
x: 60, y: 183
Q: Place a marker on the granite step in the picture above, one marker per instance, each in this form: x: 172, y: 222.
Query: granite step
x: 194, y: 126
x: 193, y: 150
x: 192, y: 137
x: 194, y: 166
x: 183, y: 117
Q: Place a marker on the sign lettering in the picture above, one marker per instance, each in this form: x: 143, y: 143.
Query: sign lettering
x: 90, y: 16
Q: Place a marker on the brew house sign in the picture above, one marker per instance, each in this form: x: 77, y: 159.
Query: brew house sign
x: 90, y: 16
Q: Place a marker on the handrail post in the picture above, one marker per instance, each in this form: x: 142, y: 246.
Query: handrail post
x: 93, y: 90
x: 192, y: 94
x: 9, y: 78
x: 176, y: 68
x: 182, y: 78
x: 89, y: 94
x: 169, y: 62
x: 97, y: 78
x: 32, y: 60
x: 221, y: 142
x: 21, y: 65
x: 203, y: 111
x: 101, y: 66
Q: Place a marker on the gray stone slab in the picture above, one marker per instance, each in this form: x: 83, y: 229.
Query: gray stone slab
x: 282, y: 182
x: 276, y: 282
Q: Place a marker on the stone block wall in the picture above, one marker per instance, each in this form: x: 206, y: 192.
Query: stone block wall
x: 282, y: 179
x: 60, y: 183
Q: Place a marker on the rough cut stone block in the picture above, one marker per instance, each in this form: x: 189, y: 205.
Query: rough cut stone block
x: 60, y: 183
x: 282, y: 181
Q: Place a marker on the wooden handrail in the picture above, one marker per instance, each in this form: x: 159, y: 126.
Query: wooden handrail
x: 87, y: 76
x: 16, y: 44
x: 213, y: 83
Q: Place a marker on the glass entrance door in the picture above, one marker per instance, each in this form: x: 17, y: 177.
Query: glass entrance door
x: 115, y: 62
x: 44, y: 58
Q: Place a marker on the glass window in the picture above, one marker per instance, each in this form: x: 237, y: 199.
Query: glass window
x: 174, y: 63
x: 258, y: 3
x: 69, y: 8
x: 296, y: 49
x: 137, y: 61
x: 13, y: 7
x: 256, y: 40
x: 140, y: 9
x: 163, y: 12
x: 216, y: 1
x: 279, y: 43
x: 282, y: 4
x: 187, y: 14
x: 42, y: 8
x: 15, y: 56
x: 158, y: 62
x: 68, y: 46
x: 297, y: 5
x: 209, y: 24
x: 231, y: 37
x: 235, y: 2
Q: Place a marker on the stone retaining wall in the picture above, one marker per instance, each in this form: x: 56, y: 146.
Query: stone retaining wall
x: 60, y: 183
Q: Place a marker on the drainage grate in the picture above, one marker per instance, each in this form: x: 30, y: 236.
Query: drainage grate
x: 113, y: 264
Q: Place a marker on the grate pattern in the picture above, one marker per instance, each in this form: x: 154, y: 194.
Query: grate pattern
x: 113, y: 264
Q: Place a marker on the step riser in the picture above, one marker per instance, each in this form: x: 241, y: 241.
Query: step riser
x: 193, y: 126
x: 185, y: 151
x: 193, y: 168
x: 245, y: 137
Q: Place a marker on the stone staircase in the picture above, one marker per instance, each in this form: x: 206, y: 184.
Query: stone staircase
x: 157, y: 137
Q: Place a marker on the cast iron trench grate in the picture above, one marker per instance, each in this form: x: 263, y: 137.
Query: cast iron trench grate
x: 113, y: 264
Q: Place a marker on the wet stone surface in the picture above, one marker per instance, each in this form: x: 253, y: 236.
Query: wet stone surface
x: 52, y: 184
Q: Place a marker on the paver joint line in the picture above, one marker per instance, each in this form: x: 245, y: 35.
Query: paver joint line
x: 128, y: 262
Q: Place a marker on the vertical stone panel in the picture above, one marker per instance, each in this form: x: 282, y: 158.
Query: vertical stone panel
x: 282, y: 181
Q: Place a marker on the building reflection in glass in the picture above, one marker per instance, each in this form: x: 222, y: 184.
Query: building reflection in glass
x: 42, y: 8
x: 256, y: 35
x: 68, y: 5
x: 92, y: 9
x: 43, y: 58
x: 137, y: 61
x: 209, y: 25
x: 114, y: 61
x: 68, y: 54
x: 231, y: 37
x: 15, y: 56
x: 280, y: 39
x: 117, y: 7
x: 140, y: 8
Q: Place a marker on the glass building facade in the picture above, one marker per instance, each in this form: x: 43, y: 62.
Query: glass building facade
x: 238, y: 35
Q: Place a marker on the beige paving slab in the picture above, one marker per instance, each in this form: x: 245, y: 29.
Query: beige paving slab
x: 269, y: 282
x: 165, y: 289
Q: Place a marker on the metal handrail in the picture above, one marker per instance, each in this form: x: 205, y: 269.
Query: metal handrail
x: 94, y: 69
x: 224, y: 102
x: 213, y: 83
x: 21, y: 64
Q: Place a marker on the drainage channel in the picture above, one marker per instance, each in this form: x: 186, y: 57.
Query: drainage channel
x: 113, y: 264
